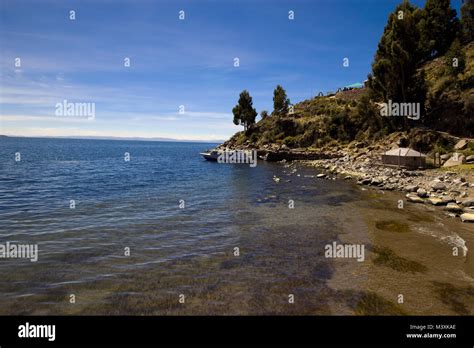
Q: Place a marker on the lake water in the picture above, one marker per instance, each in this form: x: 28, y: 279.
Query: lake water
x: 203, y: 237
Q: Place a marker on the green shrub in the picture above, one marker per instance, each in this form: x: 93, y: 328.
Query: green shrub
x: 290, y: 141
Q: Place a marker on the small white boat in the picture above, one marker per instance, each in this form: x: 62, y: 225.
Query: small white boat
x: 211, y: 155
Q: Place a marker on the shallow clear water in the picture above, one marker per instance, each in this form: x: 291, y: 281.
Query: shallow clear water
x: 135, y: 204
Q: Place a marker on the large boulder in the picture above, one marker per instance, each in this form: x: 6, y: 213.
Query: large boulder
x: 438, y: 186
x: 421, y: 192
x: 411, y: 188
x: 467, y: 217
x: 461, y: 144
x: 455, y: 160
x: 470, y: 159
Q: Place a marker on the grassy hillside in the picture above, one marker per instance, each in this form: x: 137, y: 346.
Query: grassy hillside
x: 346, y: 116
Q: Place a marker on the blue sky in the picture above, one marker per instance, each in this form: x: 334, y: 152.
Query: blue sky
x: 175, y: 62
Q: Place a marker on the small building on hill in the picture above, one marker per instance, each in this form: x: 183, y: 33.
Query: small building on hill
x: 404, y: 157
x: 354, y: 86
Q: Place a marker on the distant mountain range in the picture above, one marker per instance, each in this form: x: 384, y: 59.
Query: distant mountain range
x: 120, y: 138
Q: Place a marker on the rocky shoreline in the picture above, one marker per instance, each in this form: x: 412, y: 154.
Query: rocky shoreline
x: 288, y: 155
x: 452, y: 190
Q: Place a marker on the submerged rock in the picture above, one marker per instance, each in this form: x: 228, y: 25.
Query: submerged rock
x: 436, y: 201
x: 364, y: 181
x: 453, y: 207
x: 414, y: 198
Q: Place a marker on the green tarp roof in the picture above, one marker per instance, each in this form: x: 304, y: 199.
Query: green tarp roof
x: 355, y: 85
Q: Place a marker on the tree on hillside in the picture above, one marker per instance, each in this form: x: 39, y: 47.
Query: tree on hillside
x: 366, y: 117
x: 394, y: 70
x: 467, y: 20
x: 398, y: 55
x: 244, y: 113
x: 438, y: 27
x: 264, y: 114
x: 280, y: 101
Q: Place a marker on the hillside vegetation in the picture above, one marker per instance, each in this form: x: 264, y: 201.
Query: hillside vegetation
x: 440, y: 78
x: 352, y: 115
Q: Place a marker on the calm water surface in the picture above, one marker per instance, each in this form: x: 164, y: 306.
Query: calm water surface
x: 192, y: 250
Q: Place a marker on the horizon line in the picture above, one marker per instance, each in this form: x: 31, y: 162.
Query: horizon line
x: 155, y: 139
